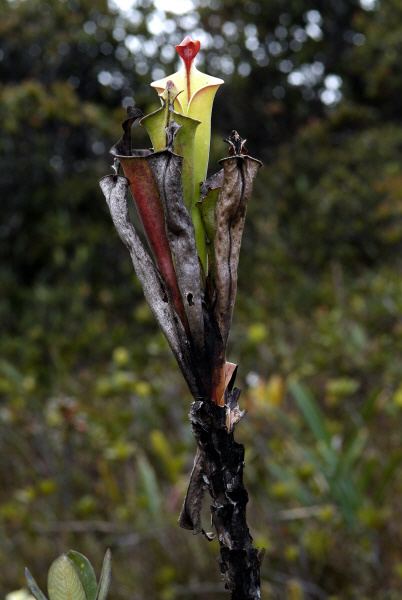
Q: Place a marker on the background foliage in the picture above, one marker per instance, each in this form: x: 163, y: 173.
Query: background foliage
x: 95, y: 443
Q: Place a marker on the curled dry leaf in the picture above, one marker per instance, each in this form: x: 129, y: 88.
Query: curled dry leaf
x: 114, y: 189
x: 123, y: 146
x: 230, y: 213
x: 156, y: 183
x: 145, y: 192
x: 167, y: 167
x: 190, y: 515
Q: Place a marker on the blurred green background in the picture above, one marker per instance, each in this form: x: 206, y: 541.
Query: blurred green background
x: 95, y: 443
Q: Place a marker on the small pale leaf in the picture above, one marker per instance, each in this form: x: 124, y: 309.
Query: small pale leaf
x: 63, y: 582
x: 238, y: 174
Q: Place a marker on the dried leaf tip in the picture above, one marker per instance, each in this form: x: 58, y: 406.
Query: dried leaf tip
x: 237, y: 146
x: 170, y: 93
x: 123, y: 146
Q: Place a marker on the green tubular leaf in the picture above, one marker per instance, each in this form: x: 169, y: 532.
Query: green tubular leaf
x: 207, y: 209
x: 33, y: 586
x: 198, y: 81
x: 184, y: 146
x: 63, y: 582
x: 85, y: 572
x: 200, y: 241
x: 200, y: 108
x: 155, y: 124
x: 198, y: 105
x: 193, y: 97
x: 105, y: 577
x: 210, y: 191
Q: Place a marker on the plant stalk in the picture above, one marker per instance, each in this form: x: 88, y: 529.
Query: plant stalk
x: 218, y: 468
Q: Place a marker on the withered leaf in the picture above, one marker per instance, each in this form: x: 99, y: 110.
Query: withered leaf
x: 123, y: 146
x: 146, y: 195
x: 147, y: 201
x: 190, y: 515
x: 230, y: 213
x: 114, y: 189
x: 167, y: 169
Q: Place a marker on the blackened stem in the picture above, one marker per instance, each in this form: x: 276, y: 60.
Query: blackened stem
x: 223, y: 462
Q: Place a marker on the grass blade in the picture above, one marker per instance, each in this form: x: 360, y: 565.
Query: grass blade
x: 33, y: 586
x: 311, y: 412
x: 105, y: 576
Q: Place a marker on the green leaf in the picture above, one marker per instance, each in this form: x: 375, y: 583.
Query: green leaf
x: 155, y: 124
x: 195, y: 100
x: 207, y: 209
x: 150, y: 487
x: 200, y: 239
x: 105, y: 577
x: 63, y: 582
x: 210, y: 191
x: 33, y: 586
x: 184, y: 146
x: 352, y: 452
x: 311, y: 412
x: 387, y: 474
x: 286, y: 476
x: 85, y: 572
